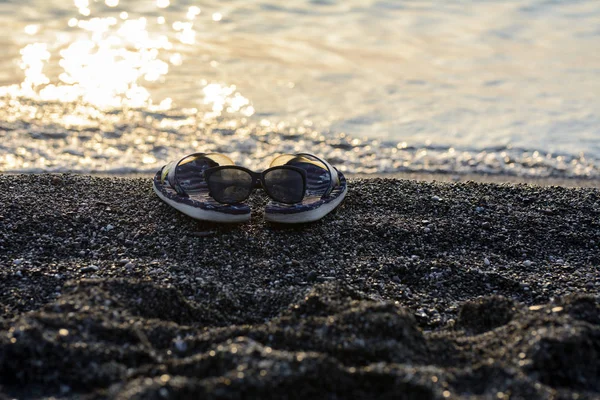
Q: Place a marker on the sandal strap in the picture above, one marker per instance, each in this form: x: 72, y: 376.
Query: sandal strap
x: 169, y: 172
x: 333, y: 174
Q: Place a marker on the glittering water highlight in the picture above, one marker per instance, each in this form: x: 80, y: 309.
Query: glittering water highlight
x: 121, y: 86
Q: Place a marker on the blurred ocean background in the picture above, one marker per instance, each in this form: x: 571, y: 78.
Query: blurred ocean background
x: 123, y: 86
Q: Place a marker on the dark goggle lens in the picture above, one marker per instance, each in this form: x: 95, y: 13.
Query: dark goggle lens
x: 284, y: 185
x: 230, y: 186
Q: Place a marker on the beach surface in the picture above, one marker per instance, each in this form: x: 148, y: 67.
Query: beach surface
x: 424, y: 290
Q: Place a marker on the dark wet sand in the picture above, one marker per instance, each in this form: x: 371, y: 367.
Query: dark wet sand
x: 411, y: 290
x: 485, y: 178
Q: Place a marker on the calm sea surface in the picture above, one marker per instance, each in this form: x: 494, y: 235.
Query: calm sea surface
x: 121, y: 86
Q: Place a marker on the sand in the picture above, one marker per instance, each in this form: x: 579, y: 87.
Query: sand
x: 421, y: 290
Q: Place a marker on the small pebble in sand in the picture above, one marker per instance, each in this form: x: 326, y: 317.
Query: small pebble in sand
x: 203, y: 233
x: 486, y: 261
x: 421, y: 313
x: 63, y: 332
x: 180, y: 345
x: 527, y: 263
x: 18, y: 261
x: 436, y: 198
x: 89, y: 268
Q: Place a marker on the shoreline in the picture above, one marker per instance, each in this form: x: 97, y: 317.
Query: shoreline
x: 431, y: 289
x: 484, y: 178
x: 414, y: 176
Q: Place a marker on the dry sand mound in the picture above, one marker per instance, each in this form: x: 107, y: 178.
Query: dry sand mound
x: 412, y: 290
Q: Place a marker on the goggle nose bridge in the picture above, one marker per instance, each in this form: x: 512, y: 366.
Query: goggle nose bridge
x: 257, y: 180
x: 258, y: 184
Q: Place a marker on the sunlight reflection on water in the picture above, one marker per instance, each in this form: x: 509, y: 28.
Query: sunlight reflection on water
x: 109, y: 61
x: 381, y: 86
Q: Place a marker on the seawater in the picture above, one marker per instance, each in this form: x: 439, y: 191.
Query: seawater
x: 123, y: 86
